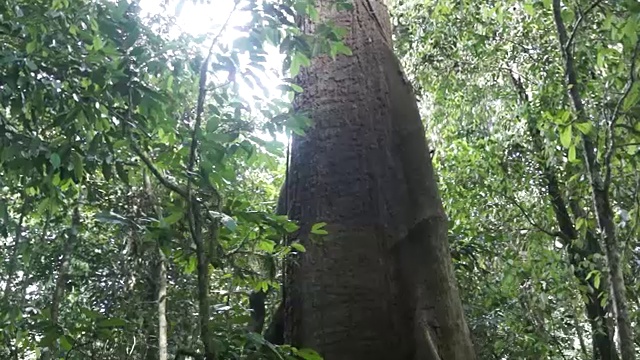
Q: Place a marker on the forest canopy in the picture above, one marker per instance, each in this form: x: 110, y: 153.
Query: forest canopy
x: 144, y: 145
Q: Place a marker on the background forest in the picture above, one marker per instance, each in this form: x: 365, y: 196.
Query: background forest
x: 140, y: 167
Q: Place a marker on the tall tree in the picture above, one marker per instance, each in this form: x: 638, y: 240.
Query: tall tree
x: 600, y: 184
x: 380, y: 284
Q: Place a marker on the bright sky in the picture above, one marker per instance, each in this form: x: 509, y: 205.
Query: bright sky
x: 202, y: 18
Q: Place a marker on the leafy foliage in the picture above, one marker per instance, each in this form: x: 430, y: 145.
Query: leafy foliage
x: 136, y: 171
x: 118, y: 156
x: 491, y: 80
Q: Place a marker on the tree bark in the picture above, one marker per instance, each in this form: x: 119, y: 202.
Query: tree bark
x: 162, y: 306
x: 70, y: 242
x: 600, y: 195
x: 380, y: 285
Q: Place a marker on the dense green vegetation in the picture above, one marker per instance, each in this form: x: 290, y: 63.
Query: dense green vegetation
x: 139, y: 178
x: 512, y: 161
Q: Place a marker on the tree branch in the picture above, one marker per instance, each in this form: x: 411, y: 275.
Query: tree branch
x: 156, y: 173
x: 614, y: 118
x: 194, y: 215
x: 579, y: 21
x: 533, y: 223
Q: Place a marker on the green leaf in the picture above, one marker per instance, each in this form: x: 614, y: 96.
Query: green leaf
x: 584, y: 127
x: 65, y: 343
x: 112, y: 322
x: 97, y: 43
x: 31, y: 65
x: 572, y: 153
x: 308, y: 354
x: 565, y: 136
x: 528, y: 8
x: 338, y: 47
x: 191, y: 266
x: 174, y: 217
x: 630, y: 29
x: 31, y: 47
x: 298, y: 60
x: 78, y: 166
x: 290, y: 226
x: 318, y: 228
x: 298, y: 247
x: 632, y: 98
x: 267, y: 246
x: 55, y: 160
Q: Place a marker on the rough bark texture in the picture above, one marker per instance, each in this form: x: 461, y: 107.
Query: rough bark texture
x: 381, y: 284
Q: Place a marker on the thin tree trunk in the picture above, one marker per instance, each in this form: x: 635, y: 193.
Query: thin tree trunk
x: 203, y: 282
x: 600, y: 194
x: 583, y: 346
x: 65, y: 264
x: 162, y: 306
x: 603, y: 348
x: 13, y: 260
x: 71, y: 240
x: 158, y: 284
x: 381, y: 284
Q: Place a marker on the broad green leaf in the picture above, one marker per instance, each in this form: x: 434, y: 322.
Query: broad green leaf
x: 528, y: 8
x: 338, y: 47
x: 566, y: 136
x: 572, y: 153
x: 65, y: 343
x: 78, y: 165
x: 632, y: 98
x: 318, y: 228
x: 31, y: 47
x: 97, y: 43
x: 298, y: 60
x: 55, y: 160
x: 290, y: 226
x: 584, y: 127
x: 267, y: 246
x: 299, y: 247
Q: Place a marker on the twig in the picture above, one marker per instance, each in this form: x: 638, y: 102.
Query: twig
x: 614, y: 117
x: 579, y: 21
x: 194, y: 210
x: 533, y: 223
x: 628, y: 128
x: 156, y: 173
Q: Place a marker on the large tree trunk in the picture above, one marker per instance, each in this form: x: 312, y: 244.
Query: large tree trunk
x: 381, y: 284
